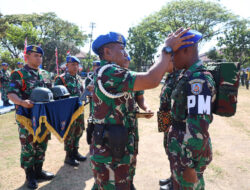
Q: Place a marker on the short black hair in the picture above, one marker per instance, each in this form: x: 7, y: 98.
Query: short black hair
x: 101, y: 50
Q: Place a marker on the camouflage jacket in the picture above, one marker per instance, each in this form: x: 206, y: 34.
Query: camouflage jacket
x: 166, y: 91
x: 72, y: 83
x: 23, y: 85
x: 46, y: 77
x: 4, y: 78
x: 115, y: 110
x: 192, y: 104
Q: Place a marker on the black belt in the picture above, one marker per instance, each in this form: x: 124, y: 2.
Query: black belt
x: 180, y: 125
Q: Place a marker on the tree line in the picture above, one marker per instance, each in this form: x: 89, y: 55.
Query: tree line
x: 208, y: 17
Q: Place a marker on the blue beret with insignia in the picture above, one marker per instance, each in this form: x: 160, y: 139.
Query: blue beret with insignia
x: 194, y: 39
x: 5, y: 64
x: 72, y: 59
x: 111, y: 37
x: 35, y: 49
x: 96, y: 63
x: 20, y: 63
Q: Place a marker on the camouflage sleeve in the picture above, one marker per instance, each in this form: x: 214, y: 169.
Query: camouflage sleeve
x: 199, y: 101
x: 138, y: 93
x: 165, y: 96
x: 116, y: 80
x: 58, y: 81
x: 15, y: 84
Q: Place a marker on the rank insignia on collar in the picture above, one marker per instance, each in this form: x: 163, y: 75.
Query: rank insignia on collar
x: 196, y: 86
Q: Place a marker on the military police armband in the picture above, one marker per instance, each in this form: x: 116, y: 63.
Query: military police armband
x: 198, y: 96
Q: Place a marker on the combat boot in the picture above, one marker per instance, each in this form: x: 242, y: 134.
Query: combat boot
x: 42, y: 175
x: 168, y: 186
x: 164, y: 181
x: 70, y: 159
x: 78, y: 156
x: 30, y: 177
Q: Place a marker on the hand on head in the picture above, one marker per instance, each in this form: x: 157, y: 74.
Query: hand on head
x: 175, y: 40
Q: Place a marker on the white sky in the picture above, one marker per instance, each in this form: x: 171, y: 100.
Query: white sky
x: 108, y: 15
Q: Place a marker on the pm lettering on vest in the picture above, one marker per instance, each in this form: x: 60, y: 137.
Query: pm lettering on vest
x: 200, y: 104
x: 199, y: 97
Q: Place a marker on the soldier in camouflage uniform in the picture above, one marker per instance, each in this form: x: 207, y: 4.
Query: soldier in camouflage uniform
x: 165, y: 108
x: 4, y: 83
x: 113, y: 146
x: 72, y: 81
x: 22, y: 82
x: 189, y: 146
x: 89, y: 85
x: 139, y: 101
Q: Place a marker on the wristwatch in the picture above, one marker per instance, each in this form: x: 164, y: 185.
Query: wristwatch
x: 168, y: 49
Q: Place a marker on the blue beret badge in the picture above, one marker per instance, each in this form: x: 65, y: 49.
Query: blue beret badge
x: 35, y: 49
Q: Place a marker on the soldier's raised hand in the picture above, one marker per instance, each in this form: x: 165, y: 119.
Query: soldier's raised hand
x: 174, y: 40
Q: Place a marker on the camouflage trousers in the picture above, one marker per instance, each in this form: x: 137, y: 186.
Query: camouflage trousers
x: 247, y: 84
x: 165, y: 142
x: 31, y: 153
x: 114, y: 176
x: 4, y: 96
x: 72, y: 140
x: 176, y: 153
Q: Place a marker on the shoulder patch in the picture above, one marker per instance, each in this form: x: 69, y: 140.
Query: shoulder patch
x: 196, y: 86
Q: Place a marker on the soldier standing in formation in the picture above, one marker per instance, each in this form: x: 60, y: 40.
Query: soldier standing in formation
x: 189, y: 146
x: 72, y: 81
x: 247, y: 78
x: 164, y: 116
x: 22, y: 82
x: 4, y: 83
x: 89, y: 85
x: 139, y: 101
x: 113, y: 145
x: 19, y: 65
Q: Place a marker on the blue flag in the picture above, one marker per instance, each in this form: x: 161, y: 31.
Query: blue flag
x: 56, y: 117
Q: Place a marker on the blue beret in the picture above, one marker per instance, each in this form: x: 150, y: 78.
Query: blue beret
x: 111, y: 37
x: 5, y: 64
x: 20, y: 63
x: 194, y: 39
x: 35, y: 49
x: 72, y: 59
x: 96, y: 63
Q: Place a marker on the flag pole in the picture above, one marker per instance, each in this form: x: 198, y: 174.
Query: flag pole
x: 57, y: 67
